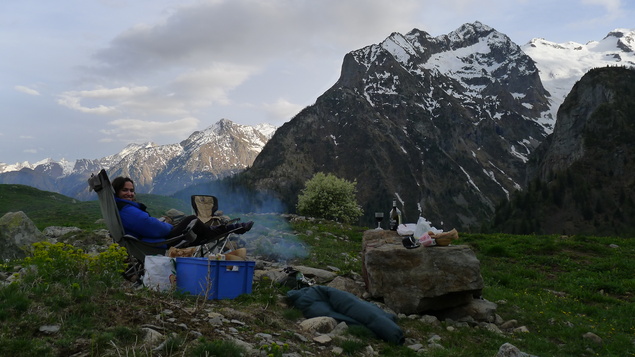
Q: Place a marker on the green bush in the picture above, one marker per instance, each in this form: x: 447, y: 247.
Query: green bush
x: 329, y: 197
x: 56, y: 262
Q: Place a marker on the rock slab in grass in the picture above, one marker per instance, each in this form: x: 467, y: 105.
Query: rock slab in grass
x: 413, y: 281
x: 17, y: 231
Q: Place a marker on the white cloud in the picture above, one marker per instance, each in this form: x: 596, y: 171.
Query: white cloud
x: 30, y: 151
x: 26, y: 90
x: 135, y: 130
x: 252, y: 32
x: 73, y: 99
x: 210, y: 84
x: 611, y: 6
x: 199, y: 56
x: 282, y: 110
x: 602, y: 12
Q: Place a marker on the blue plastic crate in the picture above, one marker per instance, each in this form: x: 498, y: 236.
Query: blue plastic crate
x: 214, y: 279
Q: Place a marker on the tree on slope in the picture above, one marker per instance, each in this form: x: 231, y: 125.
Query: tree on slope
x: 329, y: 197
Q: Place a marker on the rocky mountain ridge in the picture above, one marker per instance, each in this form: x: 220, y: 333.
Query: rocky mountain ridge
x: 581, y: 177
x: 446, y: 122
x: 220, y: 150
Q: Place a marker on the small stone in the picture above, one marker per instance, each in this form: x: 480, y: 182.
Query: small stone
x: 509, y: 324
x: 300, y: 337
x: 430, y: 320
x: 435, y: 346
x: 322, y: 324
x: 264, y: 336
x: 50, y: 329
x: 337, y: 350
x: 340, y: 329
x: 215, y: 321
x: 492, y: 328
x: 322, y: 339
x: 592, y: 337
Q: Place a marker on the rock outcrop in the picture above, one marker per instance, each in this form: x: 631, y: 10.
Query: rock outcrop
x: 413, y: 281
x: 17, y: 231
x: 581, y: 178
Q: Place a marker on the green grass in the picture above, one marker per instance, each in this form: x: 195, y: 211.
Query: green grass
x: 53, y: 209
x: 559, y: 288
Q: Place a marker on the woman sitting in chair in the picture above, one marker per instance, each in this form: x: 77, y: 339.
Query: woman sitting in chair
x: 137, y: 221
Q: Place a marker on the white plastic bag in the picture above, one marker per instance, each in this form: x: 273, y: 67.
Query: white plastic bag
x: 160, y: 272
x: 423, y: 226
x: 405, y: 229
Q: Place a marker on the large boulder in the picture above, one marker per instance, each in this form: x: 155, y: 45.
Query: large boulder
x: 413, y: 281
x: 17, y: 232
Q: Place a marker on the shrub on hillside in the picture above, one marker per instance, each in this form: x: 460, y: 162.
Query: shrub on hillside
x: 329, y: 197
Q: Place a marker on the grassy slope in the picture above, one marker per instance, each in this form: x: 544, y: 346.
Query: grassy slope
x: 558, y: 287
x: 53, y: 209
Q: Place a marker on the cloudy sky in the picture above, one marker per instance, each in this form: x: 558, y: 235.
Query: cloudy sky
x: 84, y: 78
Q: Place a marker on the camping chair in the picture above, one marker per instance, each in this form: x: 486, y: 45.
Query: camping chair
x: 137, y: 249
x: 205, y: 208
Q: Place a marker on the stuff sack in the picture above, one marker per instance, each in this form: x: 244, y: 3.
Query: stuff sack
x: 160, y: 273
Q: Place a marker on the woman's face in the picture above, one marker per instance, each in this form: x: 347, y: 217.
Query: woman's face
x: 127, y: 192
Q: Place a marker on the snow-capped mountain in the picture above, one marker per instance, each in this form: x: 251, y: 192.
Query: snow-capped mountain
x: 66, y: 166
x: 447, y: 122
x: 220, y: 150
x: 561, y: 65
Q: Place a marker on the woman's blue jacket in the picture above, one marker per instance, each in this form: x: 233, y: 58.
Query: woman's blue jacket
x: 138, y: 223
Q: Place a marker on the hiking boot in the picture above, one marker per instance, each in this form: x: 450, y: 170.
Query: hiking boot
x: 243, y: 228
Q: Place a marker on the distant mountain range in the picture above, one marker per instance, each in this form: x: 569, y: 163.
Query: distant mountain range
x: 448, y: 123
x: 221, y: 150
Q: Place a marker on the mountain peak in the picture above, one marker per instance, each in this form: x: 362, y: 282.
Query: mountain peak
x: 470, y: 30
x: 625, y: 39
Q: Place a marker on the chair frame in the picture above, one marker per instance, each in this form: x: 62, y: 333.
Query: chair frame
x: 137, y: 248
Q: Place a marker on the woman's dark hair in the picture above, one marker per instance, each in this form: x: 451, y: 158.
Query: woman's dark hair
x: 119, y: 182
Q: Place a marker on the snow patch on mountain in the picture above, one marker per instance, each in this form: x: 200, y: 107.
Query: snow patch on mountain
x: 561, y: 65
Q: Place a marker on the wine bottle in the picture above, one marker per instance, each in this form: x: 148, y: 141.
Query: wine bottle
x: 395, y: 216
